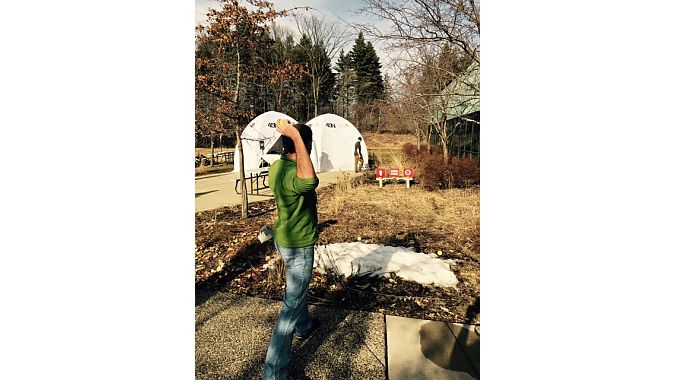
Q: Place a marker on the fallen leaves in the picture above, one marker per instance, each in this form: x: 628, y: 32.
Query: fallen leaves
x: 228, y: 247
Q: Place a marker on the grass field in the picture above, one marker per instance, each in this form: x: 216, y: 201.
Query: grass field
x: 207, y: 151
x: 387, y: 140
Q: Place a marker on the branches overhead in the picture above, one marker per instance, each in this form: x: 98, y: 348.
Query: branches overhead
x: 331, y: 35
x: 416, y: 24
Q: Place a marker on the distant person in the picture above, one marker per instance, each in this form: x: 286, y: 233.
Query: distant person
x: 293, y: 182
x: 358, y: 158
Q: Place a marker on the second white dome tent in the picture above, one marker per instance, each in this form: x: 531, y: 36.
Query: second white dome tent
x: 333, y: 143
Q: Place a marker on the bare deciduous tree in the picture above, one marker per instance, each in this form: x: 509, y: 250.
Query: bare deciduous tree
x: 424, y: 23
x: 330, y: 36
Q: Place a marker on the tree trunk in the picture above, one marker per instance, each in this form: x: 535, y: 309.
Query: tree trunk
x: 316, y: 107
x: 444, y: 147
x: 443, y: 139
x: 307, y: 110
x: 378, y: 122
x: 278, y: 99
x: 245, y: 204
x: 242, y: 183
x: 212, y: 150
x: 418, y: 137
x: 315, y: 92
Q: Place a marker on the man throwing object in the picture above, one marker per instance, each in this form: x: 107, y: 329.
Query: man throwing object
x: 293, y: 182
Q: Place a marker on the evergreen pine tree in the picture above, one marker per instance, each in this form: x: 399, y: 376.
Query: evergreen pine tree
x: 376, y: 88
x: 345, y: 81
x: 368, y: 81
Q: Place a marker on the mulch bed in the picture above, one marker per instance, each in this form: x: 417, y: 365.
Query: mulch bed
x: 230, y: 258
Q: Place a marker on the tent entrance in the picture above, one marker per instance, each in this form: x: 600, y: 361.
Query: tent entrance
x: 277, y: 147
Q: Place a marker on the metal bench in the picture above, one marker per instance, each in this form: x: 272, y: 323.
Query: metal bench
x: 256, y: 180
x: 228, y: 157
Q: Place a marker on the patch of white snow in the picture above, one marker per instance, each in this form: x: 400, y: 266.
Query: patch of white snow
x: 379, y: 260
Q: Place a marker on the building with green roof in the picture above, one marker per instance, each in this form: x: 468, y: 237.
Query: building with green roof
x: 458, y: 104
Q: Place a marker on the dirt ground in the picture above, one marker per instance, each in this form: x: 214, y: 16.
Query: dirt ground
x: 229, y: 256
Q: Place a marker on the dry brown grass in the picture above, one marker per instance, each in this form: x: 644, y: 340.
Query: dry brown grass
x: 387, y: 140
x: 452, y: 214
x: 207, y: 151
x: 456, y: 208
x: 391, y: 158
x: 443, y: 220
x: 201, y: 170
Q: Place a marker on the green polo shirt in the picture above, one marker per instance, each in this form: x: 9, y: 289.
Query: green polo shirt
x: 296, y: 201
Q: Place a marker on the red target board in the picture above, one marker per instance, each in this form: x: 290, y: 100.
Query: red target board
x: 394, y: 173
x: 380, y: 173
x: 408, y: 172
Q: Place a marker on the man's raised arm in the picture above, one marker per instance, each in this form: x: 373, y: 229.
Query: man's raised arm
x: 304, y: 168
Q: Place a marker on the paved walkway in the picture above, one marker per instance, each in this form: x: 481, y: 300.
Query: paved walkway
x: 218, y: 190
x: 232, y: 333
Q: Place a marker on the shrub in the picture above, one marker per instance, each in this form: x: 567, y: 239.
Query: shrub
x: 433, y: 174
x: 201, y: 170
x: 464, y: 171
x: 372, y: 164
x: 412, y: 154
x: 435, y: 149
x: 410, y: 151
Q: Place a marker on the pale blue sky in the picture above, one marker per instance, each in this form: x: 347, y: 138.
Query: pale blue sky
x: 331, y: 9
x: 341, y: 10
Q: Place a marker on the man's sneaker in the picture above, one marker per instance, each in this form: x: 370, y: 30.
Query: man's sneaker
x: 313, y: 326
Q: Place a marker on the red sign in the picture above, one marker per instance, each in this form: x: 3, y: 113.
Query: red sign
x: 408, y: 172
x: 394, y: 172
x: 380, y: 173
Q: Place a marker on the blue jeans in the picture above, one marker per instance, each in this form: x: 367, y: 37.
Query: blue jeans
x: 294, y: 316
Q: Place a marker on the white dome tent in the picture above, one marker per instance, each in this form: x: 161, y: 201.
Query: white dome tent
x: 333, y: 140
x: 261, y: 143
